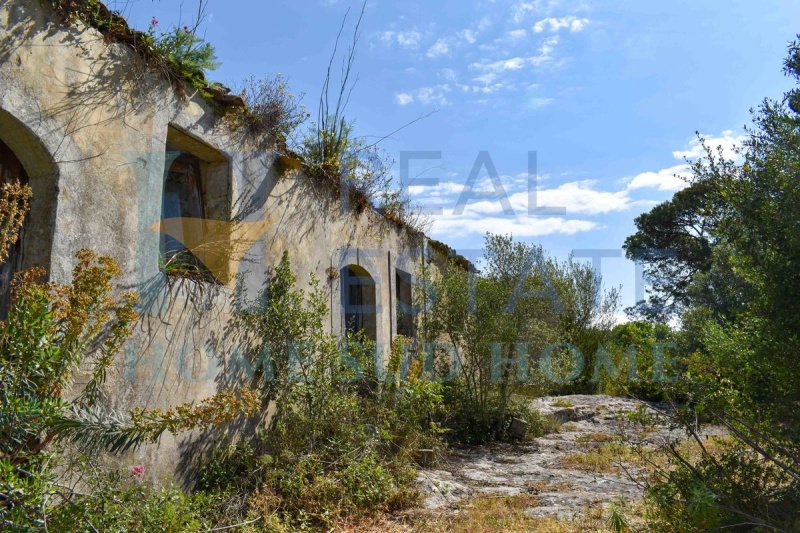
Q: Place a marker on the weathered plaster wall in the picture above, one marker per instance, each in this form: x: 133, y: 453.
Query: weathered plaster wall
x: 89, y: 123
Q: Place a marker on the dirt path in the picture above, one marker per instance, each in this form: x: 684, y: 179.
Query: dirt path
x: 568, y: 471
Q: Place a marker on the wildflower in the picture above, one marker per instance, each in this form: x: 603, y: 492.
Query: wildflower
x: 154, y: 22
x: 137, y: 471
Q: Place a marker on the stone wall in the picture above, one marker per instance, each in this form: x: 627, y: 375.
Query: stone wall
x: 90, y: 124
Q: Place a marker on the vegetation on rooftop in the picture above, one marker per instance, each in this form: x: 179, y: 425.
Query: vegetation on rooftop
x: 178, y: 53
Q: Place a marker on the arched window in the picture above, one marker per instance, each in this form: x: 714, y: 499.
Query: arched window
x: 10, y: 170
x: 358, y: 299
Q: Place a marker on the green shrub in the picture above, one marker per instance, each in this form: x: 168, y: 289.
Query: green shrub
x: 643, y: 360
x: 344, y: 434
x: 721, y: 491
x: 178, y: 54
x: 110, y: 503
x: 485, y: 334
x: 186, y: 54
x: 723, y: 252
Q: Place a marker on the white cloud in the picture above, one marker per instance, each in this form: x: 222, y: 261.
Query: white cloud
x: 517, y: 34
x: 439, y: 48
x: 521, y: 9
x: 538, y: 102
x: 666, y: 179
x: 728, y: 141
x: 581, y: 197
x: 404, y: 39
x: 492, y: 69
x: 674, y: 178
x: 503, y: 65
x: 488, y: 88
x: 553, y: 24
x: 575, y: 197
x: 470, y: 36
x: 456, y: 225
x: 438, y: 189
x: 403, y: 98
x: 434, y: 94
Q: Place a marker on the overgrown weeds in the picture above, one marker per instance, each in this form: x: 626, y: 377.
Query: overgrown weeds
x: 179, y: 55
x: 344, y: 434
x: 272, y: 113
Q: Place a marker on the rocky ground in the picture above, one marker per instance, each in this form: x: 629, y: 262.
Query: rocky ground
x: 565, y: 469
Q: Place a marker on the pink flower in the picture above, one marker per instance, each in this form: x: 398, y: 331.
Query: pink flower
x: 154, y: 22
x: 137, y: 471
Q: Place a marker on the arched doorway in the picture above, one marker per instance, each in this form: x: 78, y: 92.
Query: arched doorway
x: 23, y: 157
x: 359, y: 301
x: 11, y: 170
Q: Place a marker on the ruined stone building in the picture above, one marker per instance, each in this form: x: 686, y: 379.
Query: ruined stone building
x: 111, y: 150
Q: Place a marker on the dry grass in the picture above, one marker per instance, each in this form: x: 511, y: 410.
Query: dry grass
x: 568, y: 427
x: 595, y: 437
x: 563, y: 403
x: 603, y: 458
x: 690, y: 450
x: 496, y: 514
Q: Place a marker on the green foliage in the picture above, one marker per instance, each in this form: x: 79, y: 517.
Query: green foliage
x: 486, y: 347
x: 733, y: 488
x: 674, y: 240
x: 740, y: 332
x: 616, y: 521
x: 178, y: 54
x: 358, y: 171
x: 186, y: 54
x: 51, y: 331
x: 640, y: 358
x: 111, y: 503
x: 185, y: 264
x: 343, y: 435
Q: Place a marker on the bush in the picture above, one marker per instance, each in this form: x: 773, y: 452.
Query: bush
x: 271, y: 112
x: 113, y: 502
x: 722, y: 491
x: 52, y: 332
x: 484, y: 333
x: 643, y: 359
x: 343, y: 437
x: 178, y: 54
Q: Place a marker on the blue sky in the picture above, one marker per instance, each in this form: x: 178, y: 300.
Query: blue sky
x: 608, y: 94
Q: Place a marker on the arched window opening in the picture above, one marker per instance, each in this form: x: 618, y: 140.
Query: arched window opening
x: 360, y: 305
x: 11, y: 170
x: 404, y: 304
